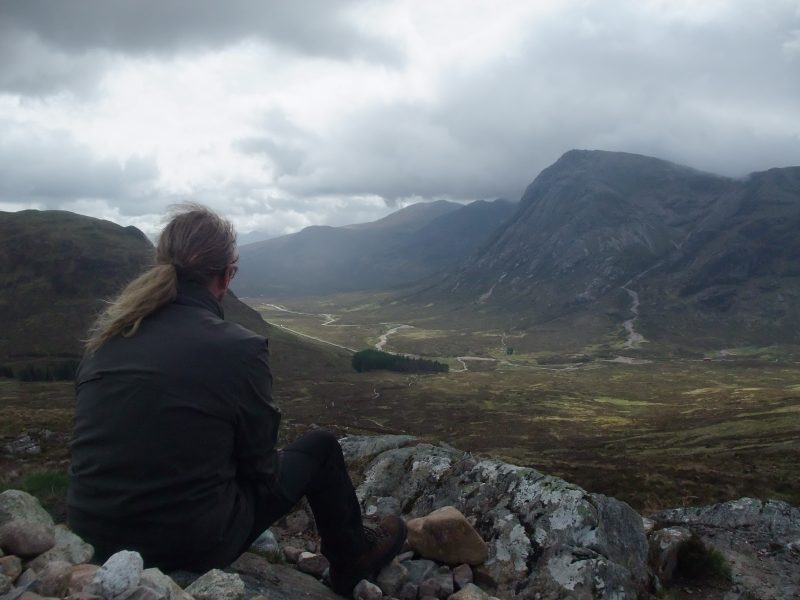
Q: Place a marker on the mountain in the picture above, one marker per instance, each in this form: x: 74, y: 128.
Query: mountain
x: 596, y: 228
x: 408, y: 245
x: 56, y: 268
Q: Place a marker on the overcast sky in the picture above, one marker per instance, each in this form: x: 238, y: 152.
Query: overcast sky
x: 287, y: 114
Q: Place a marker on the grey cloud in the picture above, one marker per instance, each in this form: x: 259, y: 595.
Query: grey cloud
x: 286, y: 158
x: 51, y: 168
x: 718, y: 95
x: 312, y: 27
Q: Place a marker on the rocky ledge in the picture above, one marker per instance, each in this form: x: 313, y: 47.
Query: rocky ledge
x: 478, y: 528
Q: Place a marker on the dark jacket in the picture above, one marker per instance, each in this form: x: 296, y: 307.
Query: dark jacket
x: 175, y: 434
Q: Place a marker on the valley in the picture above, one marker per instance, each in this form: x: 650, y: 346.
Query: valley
x: 653, y: 430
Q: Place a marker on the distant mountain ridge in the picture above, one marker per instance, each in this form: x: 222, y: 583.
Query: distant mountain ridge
x: 701, y: 250
x: 406, y: 246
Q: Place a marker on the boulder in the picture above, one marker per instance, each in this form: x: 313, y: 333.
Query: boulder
x: 68, y: 547
x: 120, y: 573
x: 754, y: 536
x: 445, y: 535
x: 164, y: 584
x: 26, y: 538
x: 544, y: 535
x: 361, y: 447
x: 664, y: 547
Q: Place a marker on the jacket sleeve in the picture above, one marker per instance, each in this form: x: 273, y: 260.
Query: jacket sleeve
x: 257, y: 422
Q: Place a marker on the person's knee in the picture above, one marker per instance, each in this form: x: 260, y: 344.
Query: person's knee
x: 321, y: 444
x: 323, y: 438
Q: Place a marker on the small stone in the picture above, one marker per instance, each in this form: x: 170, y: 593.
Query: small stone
x: 430, y: 587
x: 419, y: 570
x: 120, y: 573
x: 145, y: 592
x: 81, y: 576
x: 11, y: 566
x: 26, y: 538
x: 84, y: 596
x: 266, y: 544
x: 469, y: 592
x: 21, y: 506
x: 365, y: 590
x: 409, y: 592
x: 446, y: 535
x: 31, y: 596
x: 217, y: 585
x: 53, y: 579
x: 405, y: 556
x: 24, y: 444
x: 444, y: 577
x: 292, y: 553
x: 157, y: 580
x: 28, y: 577
x: 68, y: 547
x: 5, y: 583
x: 648, y: 525
x: 313, y: 564
x: 462, y: 575
x: 392, y: 578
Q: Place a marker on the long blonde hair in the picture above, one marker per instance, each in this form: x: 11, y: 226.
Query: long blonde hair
x: 196, y: 245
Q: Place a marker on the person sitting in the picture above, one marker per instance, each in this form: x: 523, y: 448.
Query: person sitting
x: 174, y: 446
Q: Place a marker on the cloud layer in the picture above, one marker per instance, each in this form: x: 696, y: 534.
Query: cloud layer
x: 318, y: 112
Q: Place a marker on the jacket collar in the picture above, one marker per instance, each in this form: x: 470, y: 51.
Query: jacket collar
x: 194, y: 294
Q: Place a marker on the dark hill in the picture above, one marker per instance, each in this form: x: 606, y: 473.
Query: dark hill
x: 408, y: 245
x: 714, y: 259
x: 56, y: 268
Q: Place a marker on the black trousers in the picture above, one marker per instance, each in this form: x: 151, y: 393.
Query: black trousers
x: 313, y: 466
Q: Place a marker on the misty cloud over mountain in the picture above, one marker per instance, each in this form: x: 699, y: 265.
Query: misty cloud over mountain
x: 333, y: 113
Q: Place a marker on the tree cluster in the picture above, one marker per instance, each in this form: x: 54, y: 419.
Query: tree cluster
x: 370, y: 360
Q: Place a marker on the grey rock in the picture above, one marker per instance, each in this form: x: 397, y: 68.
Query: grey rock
x: 408, y: 592
x: 5, y: 583
x: 81, y: 576
x: 419, y: 570
x: 462, y: 575
x: 278, y: 582
x: 217, y: 585
x: 444, y: 577
x: 469, y: 592
x: 28, y: 577
x: 68, y: 547
x: 664, y: 547
x: 120, y: 573
x: 144, y: 592
x: 755, y: 538
x: 405, y: 556
x: 544, y: 535
x: 431, y: 587
x: 392, y: 578
x: 361, y: 447
x: 267, y: 544
x: 26, y: 538
x: 313, y: 564
x: 23, y: 444
x: 17, y: 505
x: 382, y: 507
x: 366, y: 590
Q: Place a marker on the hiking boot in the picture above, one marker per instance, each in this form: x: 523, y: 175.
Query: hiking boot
x: 383, y: 541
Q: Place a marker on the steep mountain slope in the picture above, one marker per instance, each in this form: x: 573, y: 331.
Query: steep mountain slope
x: 598, y: 232
x: 408, y: 245
x: 57, y: 267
